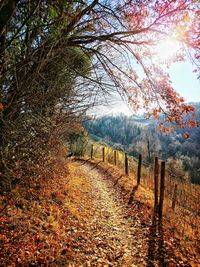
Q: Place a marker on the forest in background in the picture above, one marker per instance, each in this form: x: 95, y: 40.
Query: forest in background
x: 134, y: 135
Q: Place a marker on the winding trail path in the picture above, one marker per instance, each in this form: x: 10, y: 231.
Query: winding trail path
x: 116, y: 236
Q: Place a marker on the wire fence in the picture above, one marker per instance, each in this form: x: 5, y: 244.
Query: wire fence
x: 181, y: 198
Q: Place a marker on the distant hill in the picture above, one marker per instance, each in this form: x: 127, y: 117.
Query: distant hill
x: 135, y: 134
x: 140, y: 120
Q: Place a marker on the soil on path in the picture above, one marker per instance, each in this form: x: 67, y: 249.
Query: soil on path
x: 116, y: 238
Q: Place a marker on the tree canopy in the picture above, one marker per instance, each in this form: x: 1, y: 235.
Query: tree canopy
x: 58, y: 58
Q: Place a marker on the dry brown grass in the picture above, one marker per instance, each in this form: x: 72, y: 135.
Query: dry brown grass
x: 37, y: 221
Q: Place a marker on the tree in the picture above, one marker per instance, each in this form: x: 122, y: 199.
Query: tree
x: 58, y: 57
x: 132, y: 29
x: 148, y: 144
x: 127, y: 28
x: 176, y: 170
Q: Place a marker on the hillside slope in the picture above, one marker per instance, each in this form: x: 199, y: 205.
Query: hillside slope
x: 84, y: 219
x: 137, y: 135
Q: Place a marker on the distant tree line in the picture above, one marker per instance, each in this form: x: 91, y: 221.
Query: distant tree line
x: 140, y: 136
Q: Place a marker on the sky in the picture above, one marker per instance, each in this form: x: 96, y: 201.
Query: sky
x: 184, y: 81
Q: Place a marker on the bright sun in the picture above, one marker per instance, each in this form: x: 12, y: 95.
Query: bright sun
x: 167, y: 49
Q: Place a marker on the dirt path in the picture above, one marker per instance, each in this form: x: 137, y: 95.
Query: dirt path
x: 116, y: 237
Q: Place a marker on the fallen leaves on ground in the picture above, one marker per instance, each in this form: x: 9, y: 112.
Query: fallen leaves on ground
x: 82, y: 219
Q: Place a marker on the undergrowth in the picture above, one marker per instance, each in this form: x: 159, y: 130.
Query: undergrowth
x: 40, y: 223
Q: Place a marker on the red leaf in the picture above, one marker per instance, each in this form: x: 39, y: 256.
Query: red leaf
x: 186, y: 135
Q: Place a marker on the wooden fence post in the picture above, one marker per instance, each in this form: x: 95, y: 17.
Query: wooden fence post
x: 162, y: 189
x: 91, y: 152
x: 126, y: 164
x: 139, y: 169
x: 103, y: 154
x: 174, y: 197
x: 115, y: 157
x: 156, y: 175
